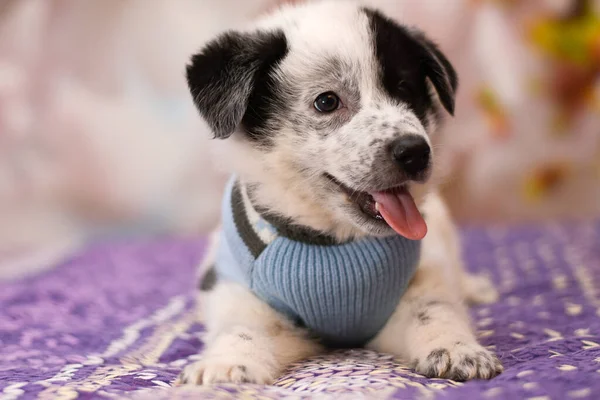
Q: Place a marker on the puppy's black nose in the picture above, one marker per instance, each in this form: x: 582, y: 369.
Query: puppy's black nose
x: 411, y: 153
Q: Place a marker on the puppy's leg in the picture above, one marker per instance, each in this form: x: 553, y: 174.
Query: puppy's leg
x: 247, y: 340
x: 430, y: 328
x: 442, y: 245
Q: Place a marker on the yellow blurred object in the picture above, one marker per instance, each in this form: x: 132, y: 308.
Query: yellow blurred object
x: 494, y: 112
x: 574, y: 40
x: 596, y: 105
x: 544, y: 180
x: 572, y: 44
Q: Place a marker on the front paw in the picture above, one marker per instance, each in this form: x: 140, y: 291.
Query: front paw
x: 213, y: 370
x: 460, y: 362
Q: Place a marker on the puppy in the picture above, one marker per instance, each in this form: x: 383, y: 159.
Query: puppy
x: 332, y: 233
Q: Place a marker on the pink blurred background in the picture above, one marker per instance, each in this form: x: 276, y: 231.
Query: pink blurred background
x: 99, y: 137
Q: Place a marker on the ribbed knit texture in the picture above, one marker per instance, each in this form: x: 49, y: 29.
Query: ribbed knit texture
x: 344, y: 293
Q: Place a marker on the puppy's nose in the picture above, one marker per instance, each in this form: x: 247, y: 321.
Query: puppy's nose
x: 411, y: 153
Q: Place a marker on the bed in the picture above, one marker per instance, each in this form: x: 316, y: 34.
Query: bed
x: 118, y: 321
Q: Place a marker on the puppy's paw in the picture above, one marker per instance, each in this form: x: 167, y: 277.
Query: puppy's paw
x: 479, y: 290
x: 460, y: 362
x: 213, y: 370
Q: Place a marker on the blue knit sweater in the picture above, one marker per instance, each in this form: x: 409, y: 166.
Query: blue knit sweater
x: 342, y: 293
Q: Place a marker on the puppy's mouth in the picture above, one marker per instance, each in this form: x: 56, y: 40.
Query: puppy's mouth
x: 394, y: 206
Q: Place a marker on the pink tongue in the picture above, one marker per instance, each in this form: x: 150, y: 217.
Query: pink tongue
x: 400, y: 212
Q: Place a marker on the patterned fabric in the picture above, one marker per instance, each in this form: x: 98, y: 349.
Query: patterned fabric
x: 118, y: 321
x: 344, y: 293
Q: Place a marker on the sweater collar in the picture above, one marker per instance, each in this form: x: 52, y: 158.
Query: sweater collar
x: 261, y: 226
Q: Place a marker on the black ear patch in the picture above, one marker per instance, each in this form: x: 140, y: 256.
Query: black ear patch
x: 231, y: 82
x: 440, y: 72
x: 407, y: 58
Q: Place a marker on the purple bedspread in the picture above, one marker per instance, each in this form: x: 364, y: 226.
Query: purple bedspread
x: 118, y: 320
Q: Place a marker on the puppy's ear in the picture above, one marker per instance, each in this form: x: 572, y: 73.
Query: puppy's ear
x: 440, y: 72
x: 222, y: 77
x: 406, y: 54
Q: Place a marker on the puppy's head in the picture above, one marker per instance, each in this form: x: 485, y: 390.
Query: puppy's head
x: 328, y: 109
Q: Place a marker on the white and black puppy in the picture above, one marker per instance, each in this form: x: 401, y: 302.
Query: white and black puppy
x: 326, y: 114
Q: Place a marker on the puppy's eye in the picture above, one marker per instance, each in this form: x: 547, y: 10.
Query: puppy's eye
x: 327, y: 102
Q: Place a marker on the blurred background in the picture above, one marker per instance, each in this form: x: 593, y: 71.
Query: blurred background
x: 99, y: 137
